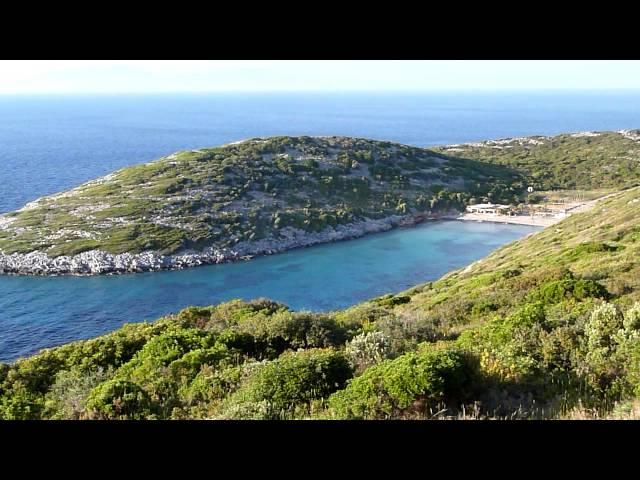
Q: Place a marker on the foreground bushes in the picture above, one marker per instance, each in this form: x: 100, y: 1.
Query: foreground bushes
x: 598, y: 356
x: 258, y: 360
x: 286, y: 387
x: 410, y: 385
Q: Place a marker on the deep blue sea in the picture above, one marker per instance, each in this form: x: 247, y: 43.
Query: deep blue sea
x: 52, y: 143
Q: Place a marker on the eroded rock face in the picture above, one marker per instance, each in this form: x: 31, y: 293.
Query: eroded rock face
x: 96, y: 262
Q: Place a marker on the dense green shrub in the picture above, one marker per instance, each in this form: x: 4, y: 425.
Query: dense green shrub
x: 509, y: 347
x: 561, y: 290
x: 587, y: 248
x: 285, y: 330
x: 229, y: 314
x: 361, y: 317
x: 392, y: 300
x: 286, y: 387
x: 631, y: 320
x: 611, y: 346
x: 20, y: 403
x: 27, y: 381
x: 409, y: 385
x: 119, y: 400
x: 606, y: 321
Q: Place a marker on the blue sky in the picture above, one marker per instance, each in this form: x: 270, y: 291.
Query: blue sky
x: 120, y: 76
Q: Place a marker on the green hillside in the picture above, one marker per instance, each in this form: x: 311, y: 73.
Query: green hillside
x: 248, y: 191
x: 578, y: 161
x: 253, y: 190
x: 545, y: 327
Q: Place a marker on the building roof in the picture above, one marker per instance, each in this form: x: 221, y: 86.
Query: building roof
x: 488, y: 205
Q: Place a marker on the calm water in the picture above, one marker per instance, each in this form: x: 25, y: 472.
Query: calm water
x: 52, y: 143
x: 37, y: 312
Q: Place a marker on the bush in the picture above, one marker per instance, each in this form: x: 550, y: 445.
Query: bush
x: 361, y: 317
x: 119, y: 400
x: 612, y: 344
x: 391, y: 300
x: 409, y: 385
x: 509, y: 348
x: 230, y: 314
x: 20, y: 403
x: 605, y: 322
x: 367, y: 349
x: 68, y: 395
x: 587, y: 248
x: 291, y: 330
x: 561, y: 290
x: 632, y: 318
x: 286, y: 387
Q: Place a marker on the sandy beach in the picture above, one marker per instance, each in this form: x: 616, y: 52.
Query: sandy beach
x: 536, y: 221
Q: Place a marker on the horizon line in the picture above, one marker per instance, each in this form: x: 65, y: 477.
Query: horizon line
x: 311, y: 91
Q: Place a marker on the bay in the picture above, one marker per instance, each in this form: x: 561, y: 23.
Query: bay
x: 38, y: 312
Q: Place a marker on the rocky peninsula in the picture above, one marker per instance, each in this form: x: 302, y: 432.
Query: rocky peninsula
x: 266, y: 195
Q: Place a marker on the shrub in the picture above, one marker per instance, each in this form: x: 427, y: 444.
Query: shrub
x: 632, y: 318
x: 291, y: 330
x: 213, y: 384
x: 234, y: 312
x: 610, y: 351
x: 605, y: 322
x: 392, y: 300
x: 367, y: 349
x: 484, y: 306
x: 561, y: 290
x: 119, y: 400
x: 587, y: 248
x: 285, y: 388
x: 68, y: 395
x: 509, y: 347
x: 20, y: 403
x: 360, y: 317
x: 409, y: 385
x: 405, y: 329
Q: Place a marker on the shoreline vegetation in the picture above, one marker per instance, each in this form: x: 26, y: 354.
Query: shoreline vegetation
x: 267, y: 195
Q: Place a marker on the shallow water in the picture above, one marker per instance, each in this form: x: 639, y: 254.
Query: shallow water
x: 38, y: 312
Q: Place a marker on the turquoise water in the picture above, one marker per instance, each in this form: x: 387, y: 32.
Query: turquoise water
x: 38, y: 312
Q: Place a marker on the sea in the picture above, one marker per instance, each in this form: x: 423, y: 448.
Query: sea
x: 50, y: 143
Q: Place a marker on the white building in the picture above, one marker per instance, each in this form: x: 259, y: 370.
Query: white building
x: 487, y: 208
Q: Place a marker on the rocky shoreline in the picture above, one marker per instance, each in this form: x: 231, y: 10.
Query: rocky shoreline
x: 97, y: 262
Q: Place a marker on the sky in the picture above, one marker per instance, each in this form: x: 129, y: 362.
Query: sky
x: 157, y: 76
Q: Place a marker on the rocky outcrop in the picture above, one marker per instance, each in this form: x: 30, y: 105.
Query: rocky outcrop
x: 96, y: 262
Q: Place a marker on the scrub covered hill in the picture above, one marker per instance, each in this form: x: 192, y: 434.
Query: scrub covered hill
x: 575, y: 161
x: 248, y: 191
x: 546, y: 327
